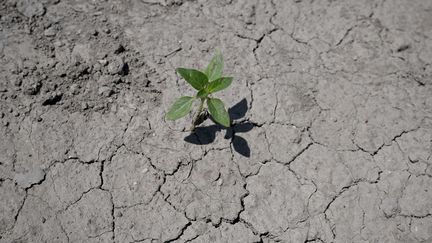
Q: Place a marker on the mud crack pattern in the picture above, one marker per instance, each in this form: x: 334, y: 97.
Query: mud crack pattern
x: 332, y: 133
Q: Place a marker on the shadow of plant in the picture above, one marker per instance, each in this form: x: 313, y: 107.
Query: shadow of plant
x: 206, y: 135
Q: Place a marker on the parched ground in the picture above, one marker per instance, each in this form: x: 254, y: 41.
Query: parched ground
x: 332, y: 121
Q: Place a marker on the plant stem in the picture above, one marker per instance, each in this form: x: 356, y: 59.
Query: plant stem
x: 199, y: 111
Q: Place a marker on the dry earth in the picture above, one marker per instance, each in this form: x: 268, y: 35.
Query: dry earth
x: 332, y: 110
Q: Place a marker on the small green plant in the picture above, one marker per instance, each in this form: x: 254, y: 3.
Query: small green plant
x: 207, y: 83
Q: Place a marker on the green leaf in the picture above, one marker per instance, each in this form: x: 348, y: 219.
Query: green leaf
x: 218, y: 112
x: 219, y: 84
x: 202, y: 93
x: 180, y: 108
x: 215, y: 67
x: 195, y: 78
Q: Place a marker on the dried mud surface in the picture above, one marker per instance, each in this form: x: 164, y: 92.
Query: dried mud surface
x: 331, y: 105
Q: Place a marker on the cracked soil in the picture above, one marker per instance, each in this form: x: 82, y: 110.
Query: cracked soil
x: 332, y: 121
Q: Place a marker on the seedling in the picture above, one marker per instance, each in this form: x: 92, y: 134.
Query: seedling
x: 207, y: 83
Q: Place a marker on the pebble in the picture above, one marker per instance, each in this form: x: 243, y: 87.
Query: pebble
x: 117, y: 80
x: 58, y: 43
x: 74, y: 89
x: 103, y: 62
x: 51, y: 31
x: 119, y: 49
x: 118, y: 66
x: 220, y: 182
x: 17, y: 81
x: 107, y: 80
x: 53, y: 99
x: 30, y: 8
x: 33, y: 88
x: 105, y: 91
x: 97, y: 67
x: 297, y: 140
x: 99, y: 107
x: 84, y: 106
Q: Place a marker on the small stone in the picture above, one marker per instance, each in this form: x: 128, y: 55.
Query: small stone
x: 5, y: 123
x: 17, y: 81
x: 14, y: 69
x: 16, y: 114
x: 30, y: 8
x: 82, y: 53
x: 105, y: 91
x: 96, y: 67
x: 403, y: 47
x: 53, y: 99
x: 103, y: 62
x: 117, y: 80
x: 2, y: 114
x: 118, y: 66
x: 297, y: 140
x: 104, y: 80
x: 33, y: 87
x: 27, y: 29
x: 58, y: 44
x: 51, y: 31
x: 119, y: 49
x: 39, y: 119
x: 84, y: 106
x: 99, y: 107
x: 74, y: 89
x: 220, y: 182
